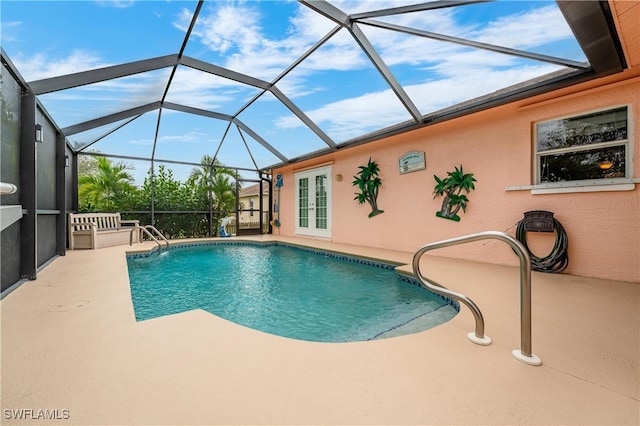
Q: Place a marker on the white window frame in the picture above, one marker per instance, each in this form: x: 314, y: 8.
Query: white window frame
x: 625, y: 183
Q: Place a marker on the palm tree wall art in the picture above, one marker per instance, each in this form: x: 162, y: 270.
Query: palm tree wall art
x: 451, y: 187
x: 369, y: 183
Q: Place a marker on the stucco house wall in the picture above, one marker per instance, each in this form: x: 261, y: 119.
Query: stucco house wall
x: 497, y: 147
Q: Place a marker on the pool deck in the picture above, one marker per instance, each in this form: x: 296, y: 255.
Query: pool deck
x: 70, y: 343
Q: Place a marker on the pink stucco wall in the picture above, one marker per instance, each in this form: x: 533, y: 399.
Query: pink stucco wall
x: 496, y: 146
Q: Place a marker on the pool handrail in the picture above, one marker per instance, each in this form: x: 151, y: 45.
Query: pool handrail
x: 158, y: 233
x: 524, y: 354
x: 146, y: 231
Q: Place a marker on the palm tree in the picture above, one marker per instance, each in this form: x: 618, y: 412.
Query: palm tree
x: 102, y: 189
x: 217, y: 181
x: 224, y: 193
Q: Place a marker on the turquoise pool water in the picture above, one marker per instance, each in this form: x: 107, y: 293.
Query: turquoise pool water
x: 284, y: 290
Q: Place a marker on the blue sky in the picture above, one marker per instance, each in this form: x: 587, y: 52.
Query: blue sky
x: 337, y: 86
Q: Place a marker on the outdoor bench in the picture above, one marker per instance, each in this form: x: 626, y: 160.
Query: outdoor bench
x: 97, y: 230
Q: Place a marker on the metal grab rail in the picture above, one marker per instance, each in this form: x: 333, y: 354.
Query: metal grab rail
x: 158, y: 233
x: 146, y: 231
x: 524, y: 354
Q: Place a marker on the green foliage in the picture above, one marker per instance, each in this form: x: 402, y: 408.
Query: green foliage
x: 369, y: 184
x: 108, y: 188
x: 169, y: 194
x: 208, y: 192
x: 452, y: 187
x: 218, y: 184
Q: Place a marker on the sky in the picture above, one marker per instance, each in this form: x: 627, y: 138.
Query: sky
x: 337, y: 86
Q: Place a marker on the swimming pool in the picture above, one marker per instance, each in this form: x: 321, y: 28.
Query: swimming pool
x: 285, y: 290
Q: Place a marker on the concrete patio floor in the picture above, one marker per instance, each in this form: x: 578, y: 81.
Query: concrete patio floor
x: 71, y: 349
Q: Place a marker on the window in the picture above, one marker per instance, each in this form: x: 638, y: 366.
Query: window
x: 250, y: 207
x: 584, y: 148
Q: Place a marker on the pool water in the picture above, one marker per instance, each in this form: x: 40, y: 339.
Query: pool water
x: 284, y: 290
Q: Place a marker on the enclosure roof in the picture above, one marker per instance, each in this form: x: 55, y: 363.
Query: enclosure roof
x: 264, y: 83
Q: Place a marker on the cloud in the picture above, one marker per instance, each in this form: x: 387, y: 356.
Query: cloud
x: 11, y: 24
x: 41, y: 65
x: 249, y: 48
x: 7, y: 28
x: 109, y: 96
x: 372, y: 111
x: 232, y: 28
x: 457, y: 88
x: 449, y: 71
x: 202, y: 90
x: 120, y: 4
x: 189, y: 137
x: 446, y: 67
x: 533, y: 28
x: 351, y: 117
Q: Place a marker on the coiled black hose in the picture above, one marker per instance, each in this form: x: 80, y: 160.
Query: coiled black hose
x: 558, y: 259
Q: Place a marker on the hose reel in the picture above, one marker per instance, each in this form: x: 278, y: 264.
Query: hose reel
x: 543, y: 221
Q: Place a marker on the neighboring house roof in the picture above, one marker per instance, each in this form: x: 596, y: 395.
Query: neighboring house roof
x: 253, y: 190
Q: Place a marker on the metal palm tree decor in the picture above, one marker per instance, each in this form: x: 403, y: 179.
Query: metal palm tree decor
x: 369, y: 184
x: 451, y: 187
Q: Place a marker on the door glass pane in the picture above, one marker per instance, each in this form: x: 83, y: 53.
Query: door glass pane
x: 303, y: 197
x: 321, y: 202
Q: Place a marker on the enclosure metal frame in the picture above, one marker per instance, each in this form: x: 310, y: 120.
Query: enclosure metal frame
x: 591, y: 23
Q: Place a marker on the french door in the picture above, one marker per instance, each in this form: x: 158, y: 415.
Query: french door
x: 313, y: 202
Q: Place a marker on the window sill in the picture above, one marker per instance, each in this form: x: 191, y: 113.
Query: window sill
x: 578, y: 186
